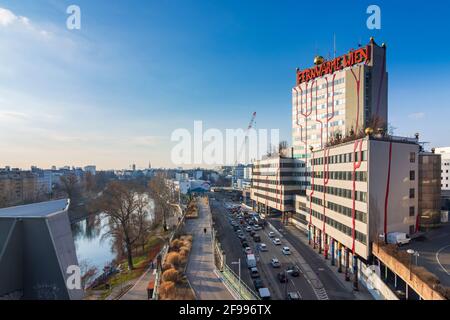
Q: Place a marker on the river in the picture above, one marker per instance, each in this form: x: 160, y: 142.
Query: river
x: 93, y: 245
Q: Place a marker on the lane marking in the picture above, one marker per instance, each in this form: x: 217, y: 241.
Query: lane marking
x: 437, y: 259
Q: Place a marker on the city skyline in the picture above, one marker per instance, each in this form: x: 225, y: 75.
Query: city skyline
x: 81, y: 97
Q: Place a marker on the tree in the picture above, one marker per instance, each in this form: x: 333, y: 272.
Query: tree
x: 162, y: 195
x: 71, y: 187
x: 128, y: 216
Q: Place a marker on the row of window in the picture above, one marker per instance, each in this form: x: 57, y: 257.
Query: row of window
x: 343, y: 193
x: 360, y: 216
x: 280, y: 165
x: 342, y: 175
x: 279, y: 191
x: 360, y: 237
x: 284, y: 183
x: 285, y: 202
x: 341, y: 158
x: 323, y: 86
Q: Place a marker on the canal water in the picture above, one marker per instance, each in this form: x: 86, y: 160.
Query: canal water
x: 94, y: 247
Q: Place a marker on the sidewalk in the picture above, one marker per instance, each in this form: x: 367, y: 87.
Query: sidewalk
x: 139, y: 290
x: 201, y: 269
x: 362, y: 294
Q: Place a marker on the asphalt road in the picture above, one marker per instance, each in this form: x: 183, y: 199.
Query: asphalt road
x: 233, y: 249
x: 434, y: 252
x: 333, y: 287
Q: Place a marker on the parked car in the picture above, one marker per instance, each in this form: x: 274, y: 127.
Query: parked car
x: 293, y: 296
x: 241, y: 237
x: 293, y: 271
x: 264, y: 294
x: 276, y: 241
x: 398, y: 238
x: 256, y: 238
x: 258, y: 283
x: 282, y: 277
x: 263, y: 247
x: 248, y: 229
x: 275, y: 263
x: 254, y: 273
x: 244, y: 244
x: 286, y: 251
x: 257, y: 227
x: 271, y: 234
x: 236, y: 228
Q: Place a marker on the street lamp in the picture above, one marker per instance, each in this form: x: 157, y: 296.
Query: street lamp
x: 411, y: 253
x: 240, y: 282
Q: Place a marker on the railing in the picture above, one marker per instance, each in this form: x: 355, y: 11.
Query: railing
x: 239, y: 287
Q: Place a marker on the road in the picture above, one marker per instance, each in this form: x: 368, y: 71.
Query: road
x: 200, y: 269
x: 309, y: 289
x: 434, y: 252
x: 333, y: 286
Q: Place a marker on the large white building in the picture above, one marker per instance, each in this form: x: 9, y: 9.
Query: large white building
x: 445, y: 167
x: 339, y: 96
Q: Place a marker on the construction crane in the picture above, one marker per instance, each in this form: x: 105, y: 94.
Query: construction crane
x: 245, y: 143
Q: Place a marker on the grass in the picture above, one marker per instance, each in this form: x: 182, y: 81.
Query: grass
x: 140, y: 263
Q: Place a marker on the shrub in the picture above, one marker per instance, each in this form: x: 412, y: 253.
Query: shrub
x: 174, y: 259
x: 176, y: 244
x: 167, y: 290
x: 171, y: 275
x: 166, y: 266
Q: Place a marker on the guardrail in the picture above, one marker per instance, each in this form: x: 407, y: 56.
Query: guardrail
x: 239, y: 287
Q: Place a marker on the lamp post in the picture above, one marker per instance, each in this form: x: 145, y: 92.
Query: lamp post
x: 240, y: 282
x: 411, y: 253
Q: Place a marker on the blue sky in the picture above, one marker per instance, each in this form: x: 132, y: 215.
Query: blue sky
x: 111, y: 93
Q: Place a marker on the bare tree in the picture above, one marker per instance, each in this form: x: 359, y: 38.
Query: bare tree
x: 162, y: 195
x: 126, y: 209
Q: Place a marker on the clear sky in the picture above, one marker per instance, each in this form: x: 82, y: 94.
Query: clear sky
x: 111, y: 93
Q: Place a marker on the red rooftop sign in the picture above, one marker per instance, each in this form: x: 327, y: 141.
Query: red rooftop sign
x: 339, y: 63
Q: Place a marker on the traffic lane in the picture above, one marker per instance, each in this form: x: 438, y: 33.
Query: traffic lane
x: 335, y: 290
x: 230, y: 242
x: 295, y: 284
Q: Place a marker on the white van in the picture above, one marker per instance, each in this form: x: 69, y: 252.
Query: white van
x: 264, y: 294
x: 398, y: 238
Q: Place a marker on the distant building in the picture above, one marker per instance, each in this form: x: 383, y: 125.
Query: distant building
x: 429, y: 190
x: 275, y: 182
x: 445, y: 167
x: 37, y: 270
x: 91, y: 169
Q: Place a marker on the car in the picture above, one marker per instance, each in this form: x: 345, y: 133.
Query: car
x: 244, y: 244
x: 293, y: 296
x: 263, y: 247
x: 251, y: 222
x: 252, y: 233
x: 282, y: 277
x: 276, y: 241
x: 256, y: 238
x: 264, y: 294
x: 271, y: 234
x: 241, y: 237
x: 254, y: 273
x: 286, y: 251
x: 293, y: 271
x: 248, y: 250
x: 248, y: 229
x: 258, y: 283
x: 257, y: 227
x: 235, y: 228
x: 275, y: 263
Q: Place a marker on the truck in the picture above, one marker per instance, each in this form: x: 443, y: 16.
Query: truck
x: 251, y: 261
x: 398, y: 238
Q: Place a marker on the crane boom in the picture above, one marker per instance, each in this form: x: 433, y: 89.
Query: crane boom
x: 250, y: 126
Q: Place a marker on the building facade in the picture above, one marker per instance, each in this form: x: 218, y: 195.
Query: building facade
x: 275, y: 182
x: 339, y: 96
x: 429, y: 189
x: 445, y: 167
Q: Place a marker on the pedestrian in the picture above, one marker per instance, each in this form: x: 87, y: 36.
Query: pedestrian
x: 204, y: 231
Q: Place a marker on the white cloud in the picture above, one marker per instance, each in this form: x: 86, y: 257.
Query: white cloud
x: 7, y: 17
x: 417, y: 115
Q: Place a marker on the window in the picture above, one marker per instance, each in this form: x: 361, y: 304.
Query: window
x: 412, y: 175
x: 412, y: 157
x: 412, y: 193
x: 412, y: 229
x: 412, y: 211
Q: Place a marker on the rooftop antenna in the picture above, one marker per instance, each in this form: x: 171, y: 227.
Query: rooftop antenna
x: 334, y: 45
